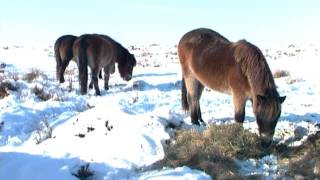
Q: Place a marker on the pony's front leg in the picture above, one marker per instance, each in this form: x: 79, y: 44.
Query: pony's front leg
x: 239, y: 103
x: 196, y: 117
x: 110, y: 69
x: 106, y: 81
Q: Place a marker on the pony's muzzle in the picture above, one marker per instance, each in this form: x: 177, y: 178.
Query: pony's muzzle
x: 266, y: 140
x: 61, y: 79
x: 127, y: 77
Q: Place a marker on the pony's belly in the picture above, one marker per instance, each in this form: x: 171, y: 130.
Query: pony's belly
x: 216, y: 84
x: 222, y: 89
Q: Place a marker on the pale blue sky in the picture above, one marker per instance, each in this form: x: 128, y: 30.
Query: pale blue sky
x: 32, y: 22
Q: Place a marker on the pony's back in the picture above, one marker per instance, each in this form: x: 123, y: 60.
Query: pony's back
x: 198, y: 36
x: 194, y: 41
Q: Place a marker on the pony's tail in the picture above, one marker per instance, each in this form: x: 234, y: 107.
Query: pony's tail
x: 58, y: 59
x: 184, y: 98
x: 83, y: 66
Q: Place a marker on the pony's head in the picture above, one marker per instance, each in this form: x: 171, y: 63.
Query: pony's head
x: 267, y: 109
x: 125, y: 66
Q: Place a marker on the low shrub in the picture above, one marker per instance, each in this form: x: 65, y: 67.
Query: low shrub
x: 1, y: 125
x: 5, y: 87
x: 43, y: 132
x: 84, y: 172
x: 32, y: 75
x: 41, y: 94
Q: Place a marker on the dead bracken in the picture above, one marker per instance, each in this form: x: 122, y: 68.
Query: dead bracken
x: 215, y: 150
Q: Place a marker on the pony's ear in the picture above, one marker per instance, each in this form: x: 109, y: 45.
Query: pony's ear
x: 282, y: 98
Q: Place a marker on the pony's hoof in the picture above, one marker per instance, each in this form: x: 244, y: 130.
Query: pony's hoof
x: 195, y: 123
x: 203, y: 124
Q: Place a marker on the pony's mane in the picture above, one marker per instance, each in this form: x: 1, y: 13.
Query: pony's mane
x: 122, y: 52
x: 253, y: 64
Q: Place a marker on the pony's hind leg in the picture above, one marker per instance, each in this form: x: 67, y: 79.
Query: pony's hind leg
x: 91, y: 82
x: 94, y: 80
x: 199, y: 92
x: 194, y: 91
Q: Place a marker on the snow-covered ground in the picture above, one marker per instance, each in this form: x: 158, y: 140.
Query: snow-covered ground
x: 121, y: 132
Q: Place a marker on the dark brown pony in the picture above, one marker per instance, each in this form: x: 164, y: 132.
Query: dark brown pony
x: 100, y: 51
x: 63, y: 54
x: 240, y: 69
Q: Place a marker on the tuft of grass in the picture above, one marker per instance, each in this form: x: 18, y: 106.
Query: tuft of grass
x: 304, y: 161
x: 1, y: 125
x: 43, y: 132
x: 5, y: 87
x: 41, y: 94
x: 292, y: 81
x: 84, y: 172
x: 32, y: 75
x: 214, y: 150
x: 70, y: 85
x: 2, y: 67
x: 13, y: 75
x: 281, y: 73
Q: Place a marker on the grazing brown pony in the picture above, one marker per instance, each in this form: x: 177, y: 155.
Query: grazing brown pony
x: 100, y: 51
x: 240, y: 69
x: 63, y: 54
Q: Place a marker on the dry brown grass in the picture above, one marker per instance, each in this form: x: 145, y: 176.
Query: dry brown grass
x: 5, y: 87
x: 32, y: 75
x: 281, y: 73
x: 213, y: 150
x: 41, y: 94
x: 304, y: 161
